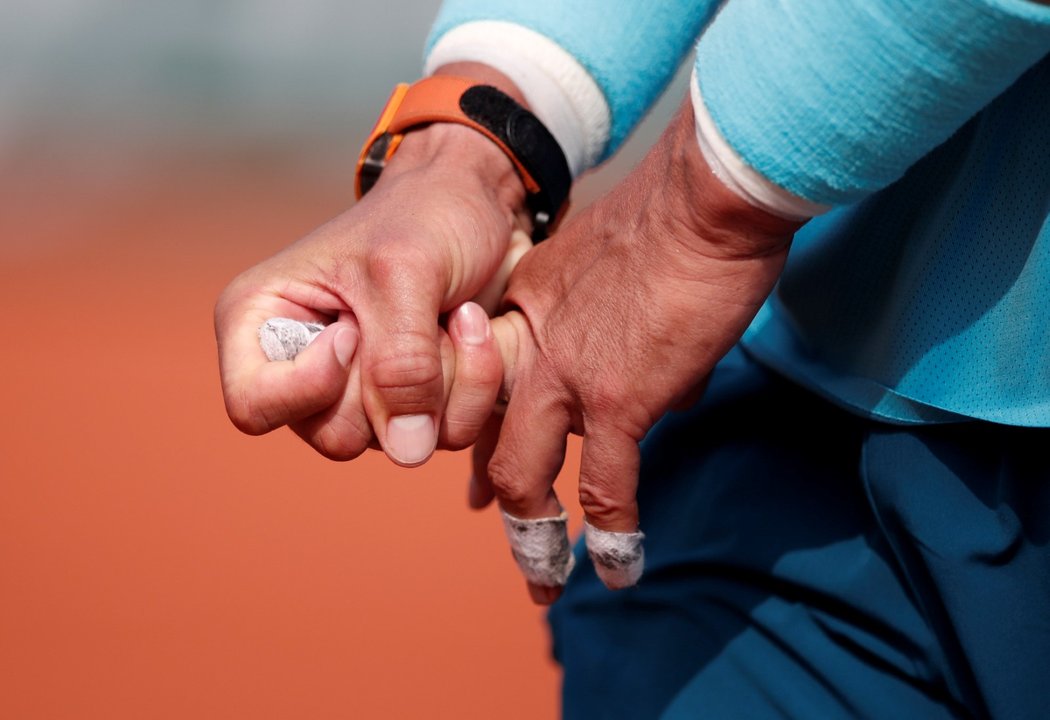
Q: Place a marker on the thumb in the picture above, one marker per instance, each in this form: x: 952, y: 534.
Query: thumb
x: 402, y: 378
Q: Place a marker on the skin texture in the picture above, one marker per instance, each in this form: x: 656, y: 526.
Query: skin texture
x: 381, y: 274
x: 617, y: 318
x: 608, y: 324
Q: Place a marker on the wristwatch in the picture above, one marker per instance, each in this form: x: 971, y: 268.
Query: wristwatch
x: 535, y: 154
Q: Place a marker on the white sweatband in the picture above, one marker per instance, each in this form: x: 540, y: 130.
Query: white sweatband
x: 557, y: 88
x: 740, y: 177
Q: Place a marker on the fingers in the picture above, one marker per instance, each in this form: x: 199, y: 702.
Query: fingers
x: 510, y: 332
x: 471, y: 371
x: 541, y: 548
x: 340, y: 432
x: 527, y: 458
x: 512, y: 335
x: 480, y: 492
x: 608, y: 488
x: 343, y: 431
x: 478, y: 374
x: 529, y: 454
x: 261, y: 395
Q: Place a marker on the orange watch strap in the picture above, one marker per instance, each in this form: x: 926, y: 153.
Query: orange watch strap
x: 432, y: 99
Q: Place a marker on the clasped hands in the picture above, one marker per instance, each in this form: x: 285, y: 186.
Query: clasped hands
x: 606, y: 326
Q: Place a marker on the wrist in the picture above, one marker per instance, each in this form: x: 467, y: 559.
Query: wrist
x: 457, y: 156
x: 717, y: 218
x: 460, y: 155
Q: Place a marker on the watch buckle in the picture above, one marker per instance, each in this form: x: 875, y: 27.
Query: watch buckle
x: 373, y: 162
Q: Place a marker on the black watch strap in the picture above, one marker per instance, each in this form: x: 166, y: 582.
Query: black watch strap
x: 533, y: 145
x: 528, y: 144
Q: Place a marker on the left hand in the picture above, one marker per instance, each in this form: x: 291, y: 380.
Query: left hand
x: 618, y: 317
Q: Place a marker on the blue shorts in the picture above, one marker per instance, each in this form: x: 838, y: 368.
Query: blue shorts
x: 803, y: 562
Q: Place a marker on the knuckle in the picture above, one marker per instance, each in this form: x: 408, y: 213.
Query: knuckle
x: 460, y: 433
x: 607, y: 397
x: 600, y: 501
x: 472, y: 400
x: 339, y: 441
x: 612, y: 406
x: 408, y: 378
x: 509, y: 487
x: 394, y: 264
x: 456, y: 442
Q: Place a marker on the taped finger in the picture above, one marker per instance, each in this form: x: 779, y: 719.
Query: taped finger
x: 541, y: 548
x: 608, y: 486
x: 618, y: 557
x: 526, y: 460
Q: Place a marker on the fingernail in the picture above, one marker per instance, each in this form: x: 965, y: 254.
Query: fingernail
x: 473, y: 324
x: 410, y: 439
x: 344, y: 343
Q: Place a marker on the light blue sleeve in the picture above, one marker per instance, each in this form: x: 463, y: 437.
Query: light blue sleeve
x: 630, y: 48
x: 835, y: 99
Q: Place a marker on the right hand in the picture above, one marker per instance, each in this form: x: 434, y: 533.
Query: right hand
x: 429, y: 236
x: 621, y: 315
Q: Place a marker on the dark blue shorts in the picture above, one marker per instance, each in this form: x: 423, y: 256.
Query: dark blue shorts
x: 802, y: 562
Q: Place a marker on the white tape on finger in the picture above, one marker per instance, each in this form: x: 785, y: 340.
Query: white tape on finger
x: 541, y: 548
x: 618, y: 557
x: 284, y: 338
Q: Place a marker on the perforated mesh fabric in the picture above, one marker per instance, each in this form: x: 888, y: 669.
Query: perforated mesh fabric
x: 933, y: 294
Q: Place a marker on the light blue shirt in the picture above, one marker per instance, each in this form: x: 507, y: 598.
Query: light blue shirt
x: 933, y: 294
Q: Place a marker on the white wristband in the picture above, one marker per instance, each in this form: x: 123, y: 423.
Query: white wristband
x: 740, y: 177
x: 558, y: 89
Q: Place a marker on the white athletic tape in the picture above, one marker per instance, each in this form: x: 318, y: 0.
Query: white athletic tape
x: 541, y: 548
x: 618, y: 557
x: 284, y: 338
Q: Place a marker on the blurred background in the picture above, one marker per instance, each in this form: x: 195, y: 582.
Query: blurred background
x: 154, y: 563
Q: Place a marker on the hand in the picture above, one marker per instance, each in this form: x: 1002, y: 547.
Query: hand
x: 619, y: 316
x: 428, y: 237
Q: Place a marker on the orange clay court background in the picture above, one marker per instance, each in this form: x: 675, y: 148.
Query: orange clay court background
x: 155, y: 563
